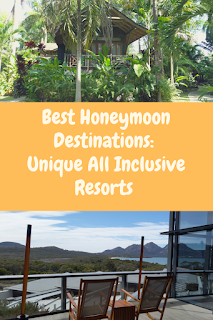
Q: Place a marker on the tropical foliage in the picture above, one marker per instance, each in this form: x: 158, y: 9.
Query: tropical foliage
x: 47, y: 80
x: 168, y: 62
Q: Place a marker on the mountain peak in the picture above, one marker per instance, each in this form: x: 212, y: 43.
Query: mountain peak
x: 150, y: 250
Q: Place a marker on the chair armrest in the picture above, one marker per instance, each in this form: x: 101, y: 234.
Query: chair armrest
x: 129, y: 294
x: 72, y: 300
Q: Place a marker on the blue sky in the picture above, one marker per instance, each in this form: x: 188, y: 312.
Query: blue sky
x: 84, y: 231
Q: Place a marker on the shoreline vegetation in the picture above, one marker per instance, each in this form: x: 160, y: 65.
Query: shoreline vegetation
x: 73, y: 265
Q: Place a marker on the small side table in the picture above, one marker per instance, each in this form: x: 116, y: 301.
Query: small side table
x: 123, y: 310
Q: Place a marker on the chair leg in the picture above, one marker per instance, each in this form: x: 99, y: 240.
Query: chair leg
x: 69, y: 310
x: 150, y: 316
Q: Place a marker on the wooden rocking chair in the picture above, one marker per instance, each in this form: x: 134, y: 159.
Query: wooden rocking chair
x: 93, y: 299
x: 151, y: 296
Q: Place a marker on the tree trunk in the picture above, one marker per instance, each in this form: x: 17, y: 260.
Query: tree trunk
x: 162, y: 67
x: 149, y: 43
x: 149, y: 52
x: 45, y: 35
x: 44, y: 40
x: 0, y: 57
x: 172, y: 68
x: 14, y: 27
x: 157, y: 50
x: 78, y: 75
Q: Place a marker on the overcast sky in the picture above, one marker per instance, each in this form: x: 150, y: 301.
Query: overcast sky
x: 84, y: 231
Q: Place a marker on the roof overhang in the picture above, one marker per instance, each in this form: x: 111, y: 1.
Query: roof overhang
x: 132, y: 30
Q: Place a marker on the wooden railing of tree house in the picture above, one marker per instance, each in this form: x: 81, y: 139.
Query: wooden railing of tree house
x: 71, y: 60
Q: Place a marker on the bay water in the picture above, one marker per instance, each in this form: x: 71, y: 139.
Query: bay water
x: 162, y: 260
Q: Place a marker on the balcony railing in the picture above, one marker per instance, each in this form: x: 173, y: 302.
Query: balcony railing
x: 71, y: 60
x: 190, y: 284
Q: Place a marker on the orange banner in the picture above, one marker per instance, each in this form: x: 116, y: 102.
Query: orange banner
x: 106, y: 156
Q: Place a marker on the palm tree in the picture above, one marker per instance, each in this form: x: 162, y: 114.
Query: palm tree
x: 14, y: 17
x: 78, y: 75
x: 140, y: 10
x: 6, y: 34
x: 158, y: 70
x: 148, y: 9
x: 34, y: 27
x: 172, y: 36
x: 181, y: 14
x: 91, y: 14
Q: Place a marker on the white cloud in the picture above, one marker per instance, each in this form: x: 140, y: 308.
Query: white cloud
x: 47, y: 232
x: 46, y: 214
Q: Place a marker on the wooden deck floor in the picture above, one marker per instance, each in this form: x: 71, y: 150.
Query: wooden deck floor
x: 179, y: 310
x: 175, y: 310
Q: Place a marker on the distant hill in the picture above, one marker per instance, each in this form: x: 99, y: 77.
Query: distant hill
x: 41, y: 253
x: 115, y: 251
x: 13, y: 250
x: 9, y: 244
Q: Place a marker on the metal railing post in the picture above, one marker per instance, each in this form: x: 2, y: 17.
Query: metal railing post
x: 123, y: 285
x: 170, y: 251
x: 63, y: 293
x: 205, y: 283
x: 175, y: 255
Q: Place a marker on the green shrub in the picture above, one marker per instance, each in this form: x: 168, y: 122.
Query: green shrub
x: 7, y: 78
x: 205, y: 90
x: 205, y: 68
x: 108, y: 81
x: 144, y: 81
x: 47, y: 80
x: 3, y: 271
x: 169, y: 92
x: 141, y: 77
x: 13, y: 312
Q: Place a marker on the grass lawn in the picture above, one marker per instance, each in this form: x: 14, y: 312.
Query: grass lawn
x: 2, y: 99
x: 184, y: 96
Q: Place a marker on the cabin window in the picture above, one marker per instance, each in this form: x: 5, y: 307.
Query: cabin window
x: 116, y: 48
x: 97, y: 47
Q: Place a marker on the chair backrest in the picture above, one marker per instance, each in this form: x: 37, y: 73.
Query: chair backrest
x: 94, y: 301
x: 152, y: 293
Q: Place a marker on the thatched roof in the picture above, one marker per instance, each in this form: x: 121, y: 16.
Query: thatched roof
x: 133, y: 30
